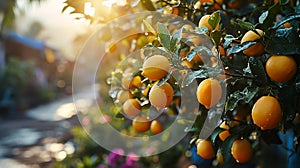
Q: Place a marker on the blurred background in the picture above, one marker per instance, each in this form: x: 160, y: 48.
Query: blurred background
x: 38, y: 47
x: 39, y: 42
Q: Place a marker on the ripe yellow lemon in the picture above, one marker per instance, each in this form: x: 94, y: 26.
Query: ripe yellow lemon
x: 141, y: 124
x: 156, y: 127
x: 256, y: 49
x: 266, y: 112
x: 131, y: 107
x: 241, y: 150
x: 281, y: 68
x: 156, y: 67
x: 204, y: 23
x: 161, y: 96
x: 209, y: 92
x: 205, y: 149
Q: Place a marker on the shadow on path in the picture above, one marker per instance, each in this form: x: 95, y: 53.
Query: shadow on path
x: 39, y: 136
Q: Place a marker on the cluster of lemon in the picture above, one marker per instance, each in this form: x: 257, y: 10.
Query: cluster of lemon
x: 154, y: 69
x: 266, y: 112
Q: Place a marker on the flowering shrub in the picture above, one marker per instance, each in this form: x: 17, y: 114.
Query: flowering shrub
x: 115, y: 159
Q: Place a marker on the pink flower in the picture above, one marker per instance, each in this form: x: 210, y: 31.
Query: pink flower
x: 85, y: 121
x: 132, y: 157
x: 115, y: 156
x: 106, y: 118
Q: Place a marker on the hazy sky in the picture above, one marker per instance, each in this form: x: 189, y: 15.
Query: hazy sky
x: 59, y: 28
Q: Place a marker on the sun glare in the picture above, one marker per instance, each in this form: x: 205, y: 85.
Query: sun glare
x: 109, y: 3
x: 89, y: 9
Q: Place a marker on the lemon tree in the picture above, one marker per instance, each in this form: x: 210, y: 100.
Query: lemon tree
x: 251, y: 68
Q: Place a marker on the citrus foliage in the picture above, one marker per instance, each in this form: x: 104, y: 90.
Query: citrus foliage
x: 253, y: 50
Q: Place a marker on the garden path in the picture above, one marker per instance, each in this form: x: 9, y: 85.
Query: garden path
x: 39, y: 136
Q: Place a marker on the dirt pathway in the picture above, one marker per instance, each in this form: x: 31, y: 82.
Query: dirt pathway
x: 39, y: 136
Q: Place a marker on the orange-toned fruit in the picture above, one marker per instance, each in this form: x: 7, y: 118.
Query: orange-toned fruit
x: 198, y: 40
x: 136, y: 82
x: 206, y: 1
x: 224, y: 134
x: 205, y: 149
x: 209, y: 92
x: 234, y: 4
x: 188, y: 26
x: 188, y: 64
x: 161, y: 96
x: 156, y: 127
x: 217, y: 5
x: 131, y: 107
x: 241, y: 113
x: 126, y: 79
x: 129, y: 82
x: 198, y: 58
x: 256, y: 49
x: 241, y: 150
x: 123, y: 95
x: 281, y: 68
x: 287, y: 25
x: 204, y: 23
x: 221, y: 50
x: 146, y: 90
x: 184, y: 53
x: 220, y: 158
x: 156, y: 67
x: 266, y: 112
x: 141, y: 124
x: 297, y: 117
x: 175, y: 11
x: 113, y: 48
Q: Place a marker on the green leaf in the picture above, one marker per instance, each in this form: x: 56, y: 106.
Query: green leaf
x: 270, y: 17
x: 164, y: 35
x: 297, y: 9
x: 246, y: 95
x: 288, y: 97
x: 240, y: 47
x: 245, y: 25
x: 149, y: 27
x: 289, y: 37
x: 283, y: 2
x: 216, y: 37
x: 214, y: 136
x: 120, y: 115
x: 258, y: 70
x: 190, y: 55
x: 148, y: 4
x: 64, y: 8
x: 78, y: 6
x: 214, y: 19
x: 175, y: 39
x: 263, y: 17
x: 165, y: 79
x: 201, y: 50
x: 228, y: 39
x: 192, y: 129
x: 236, y: 130
x: 191, y: 76
x: 199, y: 122
x: 287, y: 19
x: 226, y: 148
